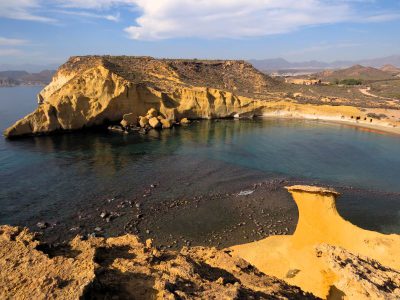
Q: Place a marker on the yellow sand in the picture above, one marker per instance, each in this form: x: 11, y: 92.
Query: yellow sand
x: 295, y: 259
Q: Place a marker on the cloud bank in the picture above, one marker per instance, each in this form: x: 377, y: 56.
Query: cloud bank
x: 209, y: 19
x: 227, y: 19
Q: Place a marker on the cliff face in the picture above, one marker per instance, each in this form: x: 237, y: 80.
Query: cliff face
x: 328, y: 255
x: 92, y: 90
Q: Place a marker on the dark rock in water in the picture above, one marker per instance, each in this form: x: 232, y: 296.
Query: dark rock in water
x: 116, y: 128
x: 143, y: 130
x: 42, y: 225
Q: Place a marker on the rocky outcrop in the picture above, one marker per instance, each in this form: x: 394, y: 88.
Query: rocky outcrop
x: 124, y: 268
x: 328, y: 255
x: 93, y: 90
x: 97, y: 90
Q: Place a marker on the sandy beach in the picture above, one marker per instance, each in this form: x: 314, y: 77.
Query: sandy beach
x: 378, y: 126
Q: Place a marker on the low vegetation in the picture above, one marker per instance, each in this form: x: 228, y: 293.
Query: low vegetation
x: 349, y: 81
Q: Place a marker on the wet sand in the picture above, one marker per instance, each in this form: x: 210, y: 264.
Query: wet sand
x: 241, y: 214
x: 215, y: 219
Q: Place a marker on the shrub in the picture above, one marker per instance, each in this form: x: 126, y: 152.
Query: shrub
x: 351, y: 81
x: 376, y: 116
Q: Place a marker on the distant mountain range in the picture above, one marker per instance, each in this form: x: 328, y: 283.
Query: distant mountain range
x: 359, y: 72
x: 30, y: 68
x: 276, y: 64
x: 14, y: 78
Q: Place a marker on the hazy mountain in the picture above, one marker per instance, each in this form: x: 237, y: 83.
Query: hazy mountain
x: 13, y: 78
x: 390, y: 69
x: 282, y: 64
x: 15, y: 75
x: 29, y: 68
x: 354, y: 72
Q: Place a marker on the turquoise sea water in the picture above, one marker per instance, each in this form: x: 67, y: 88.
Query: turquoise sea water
x: 56, y: 174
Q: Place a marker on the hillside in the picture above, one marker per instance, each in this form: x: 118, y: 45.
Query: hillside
x: 276, y: 64
x: 390, y: 69
x: 13, y: 78
x: 355, y: 72
x: 8, y: 82
x: 238, y: 76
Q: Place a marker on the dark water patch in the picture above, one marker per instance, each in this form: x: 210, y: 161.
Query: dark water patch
x: 69, y: 180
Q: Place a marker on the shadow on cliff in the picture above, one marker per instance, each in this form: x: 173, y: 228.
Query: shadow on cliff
x: 111, y: 283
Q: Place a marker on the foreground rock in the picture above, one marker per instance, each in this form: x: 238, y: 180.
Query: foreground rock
x: 328, y: 255
x: 123, y: 268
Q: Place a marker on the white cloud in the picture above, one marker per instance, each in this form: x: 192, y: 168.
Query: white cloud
x: 234, y: 18
x: 11, y: 42
x: 95, y: 4
x: 114, y: 18
x: 163, y: 19
x: 22, y: 10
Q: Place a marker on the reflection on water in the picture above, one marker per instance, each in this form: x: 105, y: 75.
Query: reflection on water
x: 58, y: 174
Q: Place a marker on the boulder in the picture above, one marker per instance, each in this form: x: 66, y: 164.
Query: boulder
x: 130, y: 119
x: 143, y: 121
x: 185, y: 121
x: 245, y: 115
x: 152, y: 112
x: 166, y: 123
x: 124, y: 123
x: 154, y: 122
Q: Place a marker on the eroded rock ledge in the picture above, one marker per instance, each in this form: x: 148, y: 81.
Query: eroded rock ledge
x: 123, y: 268
x: 326, y: 256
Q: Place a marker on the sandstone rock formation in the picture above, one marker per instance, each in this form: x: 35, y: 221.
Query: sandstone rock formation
x: 184, y: 121
x: 97, y: 90
x: 154, y: 122
x: 123, y: 268
x: 92, y: 90
x: 328, y: 255
x: 130, y: 119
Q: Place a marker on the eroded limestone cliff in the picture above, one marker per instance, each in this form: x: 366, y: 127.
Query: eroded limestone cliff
x: 328, y: 255
x: 92, y: 90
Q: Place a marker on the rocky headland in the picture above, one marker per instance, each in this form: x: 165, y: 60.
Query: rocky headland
x: 90, y: 91
x: 327, y: 257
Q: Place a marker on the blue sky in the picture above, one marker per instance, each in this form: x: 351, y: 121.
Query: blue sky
x: 48, y: 32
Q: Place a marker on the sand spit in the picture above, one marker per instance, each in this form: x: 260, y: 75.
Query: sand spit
x: 328, y: 255
x: 345, y: 115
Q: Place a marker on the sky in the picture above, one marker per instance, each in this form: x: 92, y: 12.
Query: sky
x: 46, y: 32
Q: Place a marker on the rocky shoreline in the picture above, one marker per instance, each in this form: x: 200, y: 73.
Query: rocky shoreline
x: 255, y: 212
x: 326, y: 256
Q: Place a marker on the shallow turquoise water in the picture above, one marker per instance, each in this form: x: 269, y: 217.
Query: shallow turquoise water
x: 56, y: 174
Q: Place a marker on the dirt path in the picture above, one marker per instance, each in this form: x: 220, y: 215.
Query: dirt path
x: 366, y: 92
